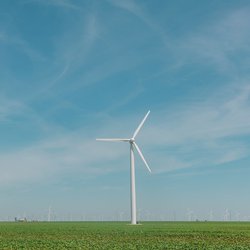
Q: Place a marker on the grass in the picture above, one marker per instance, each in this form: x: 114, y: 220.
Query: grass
x: 120, y: 235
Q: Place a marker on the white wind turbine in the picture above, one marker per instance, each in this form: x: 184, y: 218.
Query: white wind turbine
x: 49, y: 214
x: 133, y: 146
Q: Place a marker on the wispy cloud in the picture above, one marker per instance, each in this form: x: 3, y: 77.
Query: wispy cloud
x: 77, y: 43
x: 2, y: 37
x: 205, y: 132
x: 218, y: 43
x: 138, y: 11
x: 130, y: 6
x: 56, y: 3
x: 23, y: 46
x: 72, y: 49
x: 9, y: 108
x: 51, y: 157
x: 71, y: 53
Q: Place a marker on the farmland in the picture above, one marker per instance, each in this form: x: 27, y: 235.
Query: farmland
x: 120, y: 235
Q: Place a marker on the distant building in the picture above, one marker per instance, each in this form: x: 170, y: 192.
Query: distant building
x: 21, y: 219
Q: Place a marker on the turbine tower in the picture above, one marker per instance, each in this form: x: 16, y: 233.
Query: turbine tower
x: 133, y: 146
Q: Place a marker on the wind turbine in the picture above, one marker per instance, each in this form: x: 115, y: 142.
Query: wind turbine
x: 49, y: 214
x: 133, y: 146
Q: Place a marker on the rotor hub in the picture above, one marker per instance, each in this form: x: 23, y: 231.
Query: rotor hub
x: 131, y: 140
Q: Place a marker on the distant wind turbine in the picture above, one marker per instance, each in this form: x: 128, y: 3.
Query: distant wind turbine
x: 49, y: 214
x: 211, y: 215
x: 226, y: 214
x: 190, y: 214
x: 133, y: 146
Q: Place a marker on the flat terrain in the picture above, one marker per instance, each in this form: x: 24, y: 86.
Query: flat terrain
x: 120, y: 235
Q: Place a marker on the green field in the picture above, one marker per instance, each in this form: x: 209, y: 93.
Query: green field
x: 120, y: 235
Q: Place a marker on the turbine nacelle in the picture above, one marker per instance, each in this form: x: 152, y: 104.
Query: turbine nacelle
x: 132, y: 140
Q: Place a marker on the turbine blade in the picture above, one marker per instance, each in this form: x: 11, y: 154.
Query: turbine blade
x: 112, y: 139
x: 139, y: 127
x: 142, y: 157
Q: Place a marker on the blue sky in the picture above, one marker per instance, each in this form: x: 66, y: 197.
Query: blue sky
x: 72, y: 71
